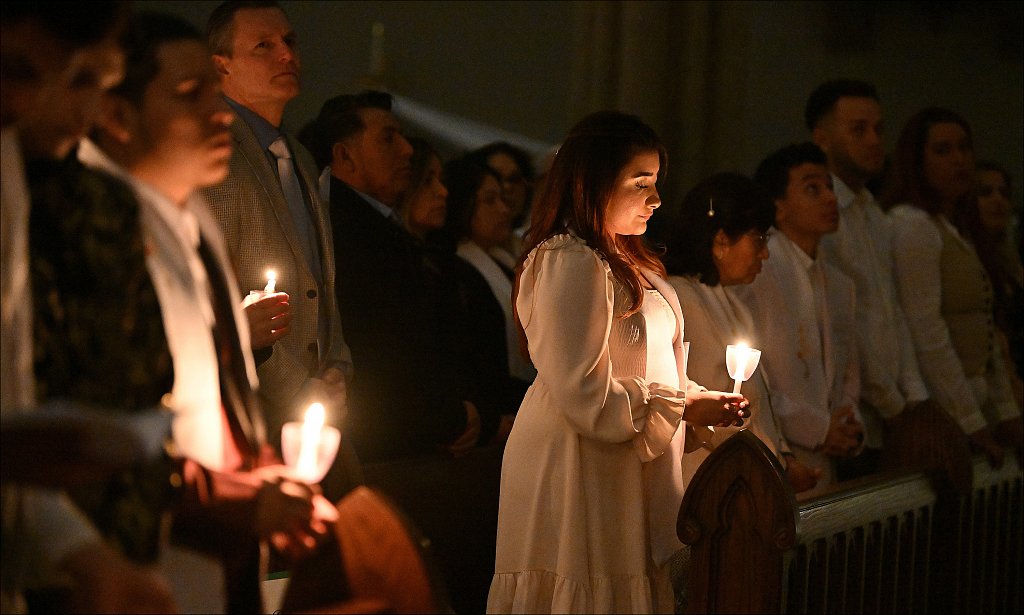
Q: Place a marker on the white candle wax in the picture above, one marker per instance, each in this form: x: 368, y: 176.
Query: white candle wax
x: 309, y: 448
x: 738, y: 357
x: 741, y: 366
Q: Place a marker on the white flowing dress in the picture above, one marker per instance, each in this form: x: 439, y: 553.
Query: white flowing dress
x: 591, y: 480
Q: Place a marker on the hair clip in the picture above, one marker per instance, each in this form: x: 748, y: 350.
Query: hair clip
x: 711, y: 208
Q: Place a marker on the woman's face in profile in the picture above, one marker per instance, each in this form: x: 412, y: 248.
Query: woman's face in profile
x: 491, y: 223
x: 429, y: 203
x: 993, y: 201
x: 634, y: 196
x: 948, y: 161
x: 513, y: 184
x: 739, y: 261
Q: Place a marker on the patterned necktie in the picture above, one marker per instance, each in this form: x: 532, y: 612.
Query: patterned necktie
x: 237, y: 396
x: 297, y: 205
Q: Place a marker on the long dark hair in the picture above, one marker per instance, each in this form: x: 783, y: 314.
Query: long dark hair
x: 579, y: 187
x: 967, y: 219
x: 906, y: 182
x: 422, y: 153
x: 463, y: 176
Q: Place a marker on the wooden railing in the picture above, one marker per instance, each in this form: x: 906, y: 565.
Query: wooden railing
x: 937, y: 531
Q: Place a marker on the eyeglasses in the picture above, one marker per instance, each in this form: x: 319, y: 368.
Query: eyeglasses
x: 760, y: 238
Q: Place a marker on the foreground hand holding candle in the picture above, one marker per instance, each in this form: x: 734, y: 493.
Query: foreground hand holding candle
x: 741, y: 361
x: 311, y: 446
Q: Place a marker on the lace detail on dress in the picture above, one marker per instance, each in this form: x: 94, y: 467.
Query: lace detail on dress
x: 562, y: 240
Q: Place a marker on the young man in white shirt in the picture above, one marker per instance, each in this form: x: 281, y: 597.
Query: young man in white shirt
x: 803, y: 313
x: 846, y: 121
x: 164, y: 133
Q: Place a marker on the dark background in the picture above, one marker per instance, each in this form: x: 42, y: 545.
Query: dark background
x: 515, y: 65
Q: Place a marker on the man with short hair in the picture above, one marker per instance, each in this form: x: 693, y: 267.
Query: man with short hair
x: 803, y: 312
x: 845, y: 120
x: 272, y: 217
x: 405, y: 401
x: 164, y: 134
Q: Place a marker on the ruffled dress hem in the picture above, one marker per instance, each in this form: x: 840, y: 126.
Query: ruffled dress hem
x: 541, y: 591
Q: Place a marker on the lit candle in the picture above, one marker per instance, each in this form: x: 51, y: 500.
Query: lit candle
x: 271, y: 281
x: 306, y: 466
x: 741, y: 360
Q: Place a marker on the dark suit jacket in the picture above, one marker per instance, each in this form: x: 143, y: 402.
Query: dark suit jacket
x: 406, y: 397
x: 251, y: 209
x: 476, y: 324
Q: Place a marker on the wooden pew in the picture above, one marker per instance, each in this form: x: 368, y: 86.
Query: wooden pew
x: 935, y: 531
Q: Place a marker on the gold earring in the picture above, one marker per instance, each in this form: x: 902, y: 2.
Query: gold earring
x: 711, y: 208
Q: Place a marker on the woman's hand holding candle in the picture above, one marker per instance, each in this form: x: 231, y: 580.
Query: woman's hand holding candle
x: 716, y: 408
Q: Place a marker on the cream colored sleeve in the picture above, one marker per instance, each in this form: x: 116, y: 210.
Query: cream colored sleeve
x: 565, y: 302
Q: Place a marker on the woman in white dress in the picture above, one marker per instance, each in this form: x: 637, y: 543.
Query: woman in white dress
x: 591, y: 481
x: 718, y: 240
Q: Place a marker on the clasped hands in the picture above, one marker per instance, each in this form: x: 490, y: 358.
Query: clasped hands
x: 845, y: 434
x: 294, y: 516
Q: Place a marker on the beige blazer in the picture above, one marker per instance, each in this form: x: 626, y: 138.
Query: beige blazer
x: 252, y: 211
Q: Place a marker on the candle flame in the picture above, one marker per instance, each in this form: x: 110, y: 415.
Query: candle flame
x: 309, y: 449
x: 271, y: 280
x: 315, y: 415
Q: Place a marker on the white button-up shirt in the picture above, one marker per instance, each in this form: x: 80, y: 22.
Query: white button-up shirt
x: 862, y: 249
x: 803, y: 311
x: 172, y: 235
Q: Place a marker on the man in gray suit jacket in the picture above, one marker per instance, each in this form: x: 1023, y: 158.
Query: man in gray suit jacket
x: 297, y: 337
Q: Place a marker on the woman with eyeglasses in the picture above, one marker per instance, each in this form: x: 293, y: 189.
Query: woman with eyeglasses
x: 515, y: 174
x: 717, y: 239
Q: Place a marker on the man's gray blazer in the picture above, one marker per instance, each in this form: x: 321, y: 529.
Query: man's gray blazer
x: 251, y: 209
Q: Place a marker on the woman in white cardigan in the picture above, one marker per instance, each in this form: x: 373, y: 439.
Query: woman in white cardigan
x: 717, y: 240
x: 943, y: 286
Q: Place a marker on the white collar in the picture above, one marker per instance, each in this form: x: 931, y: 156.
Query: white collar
x: 845, y: 196
x: 793, y: 251
x: 181, y: 219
